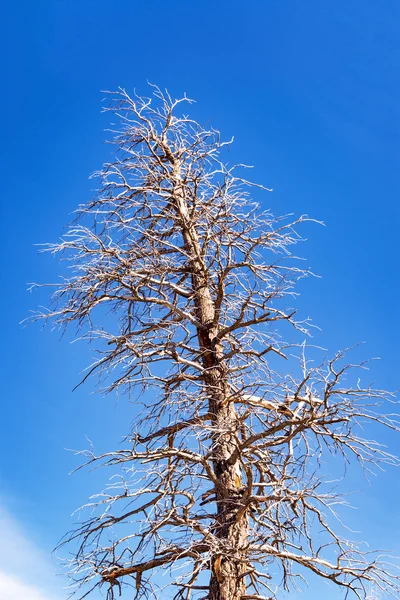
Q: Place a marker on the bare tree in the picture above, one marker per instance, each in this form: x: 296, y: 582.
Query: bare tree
x: 219, y: 482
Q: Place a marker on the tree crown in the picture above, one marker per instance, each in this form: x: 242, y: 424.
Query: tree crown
x: 224, y: 465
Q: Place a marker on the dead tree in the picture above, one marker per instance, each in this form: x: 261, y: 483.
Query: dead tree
x: 219, y: 482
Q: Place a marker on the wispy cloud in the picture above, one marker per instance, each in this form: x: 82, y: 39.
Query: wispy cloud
x: 25, y: 571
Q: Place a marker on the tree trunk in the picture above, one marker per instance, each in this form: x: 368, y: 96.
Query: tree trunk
x: 227, y: 580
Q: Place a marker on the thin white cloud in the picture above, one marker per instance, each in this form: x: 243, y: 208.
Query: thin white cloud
x: 11, y: 588
x: 25, y: 571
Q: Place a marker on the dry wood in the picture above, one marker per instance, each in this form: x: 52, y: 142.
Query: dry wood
x: 219, y: 481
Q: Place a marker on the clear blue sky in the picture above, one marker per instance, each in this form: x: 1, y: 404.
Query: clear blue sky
x: 311, y: 92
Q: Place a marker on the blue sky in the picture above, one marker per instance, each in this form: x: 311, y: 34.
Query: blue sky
x: 311, y: 92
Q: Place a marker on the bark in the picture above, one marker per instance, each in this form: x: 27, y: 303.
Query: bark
x: 231, y: 527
